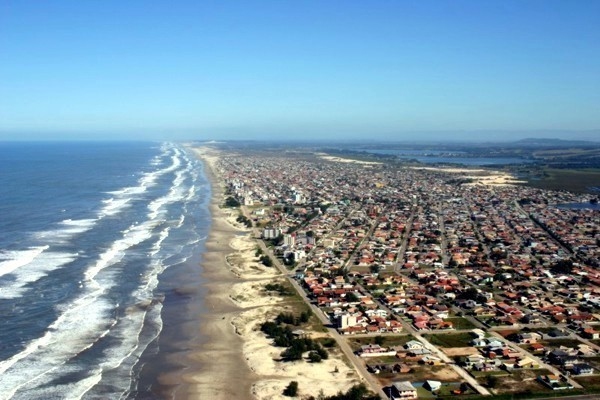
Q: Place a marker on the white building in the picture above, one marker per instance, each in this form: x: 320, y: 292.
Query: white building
x: 271, y: 233
x: 289, y: 240
x: 402, y: 390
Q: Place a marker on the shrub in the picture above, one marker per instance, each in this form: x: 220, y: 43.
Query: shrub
x: 291, y: 390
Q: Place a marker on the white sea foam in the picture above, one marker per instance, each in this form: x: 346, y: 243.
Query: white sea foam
x: 191, y: 193
x: 113, y: 206
x: 12, y: 260
x: 67, y: 229
x: 36, y: 268
x: 121, y: 198
x: 33, y: 372
x: 132, y: 236
x: 175, y: 194
x: 63, y: 391
x: 66, y: 337
x: 161, y: 238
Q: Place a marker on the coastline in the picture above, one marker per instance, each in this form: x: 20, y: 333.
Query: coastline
x: 213, y: 362
x: 231, y: 357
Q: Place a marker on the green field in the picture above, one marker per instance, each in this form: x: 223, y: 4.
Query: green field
x: 461, y: 323
x: 450, y: 339
x: 567, y: 179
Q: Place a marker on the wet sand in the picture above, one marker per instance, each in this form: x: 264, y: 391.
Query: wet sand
x: 214, y: 366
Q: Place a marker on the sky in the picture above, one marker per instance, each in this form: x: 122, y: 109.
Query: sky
x: 299, y: 70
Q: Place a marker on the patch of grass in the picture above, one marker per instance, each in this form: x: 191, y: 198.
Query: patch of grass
x: 282, y: 289
x: 567, y: 179
x: 462, y: 339
x: 461, y: 323
x: 447, y: 389
x: 482, y: 374
x: 589, y: 382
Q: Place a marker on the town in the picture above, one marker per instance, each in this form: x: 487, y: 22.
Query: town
x: 440, y: 285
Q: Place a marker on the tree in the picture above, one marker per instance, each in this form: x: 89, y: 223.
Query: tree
x: 469, y: 294
x: 266, y: 260
x: 380, y: 340
x: 322, y: 353
x: 314, y: 357
x: 232, y: 202
x: 291, y: 390
x: 351, y: 297
x: 492, y: 381
x: 562, y: 267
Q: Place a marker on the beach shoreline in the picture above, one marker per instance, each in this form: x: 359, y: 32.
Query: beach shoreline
x: 231, y: 358
x: 212, y: 364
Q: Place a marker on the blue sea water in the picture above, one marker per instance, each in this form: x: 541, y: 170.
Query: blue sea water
x: 89, y: 231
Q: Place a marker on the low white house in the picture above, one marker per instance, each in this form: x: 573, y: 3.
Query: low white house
x: 402, y: 390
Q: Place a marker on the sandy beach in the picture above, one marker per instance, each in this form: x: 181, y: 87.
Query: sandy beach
x: 233, y: 359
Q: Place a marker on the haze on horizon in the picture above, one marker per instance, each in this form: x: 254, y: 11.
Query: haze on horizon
x: 399, y: 70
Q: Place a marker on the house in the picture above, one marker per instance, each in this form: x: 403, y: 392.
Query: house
x: 585, y: 350
x: 402, y: 369
x: 550, y: 380
x: 432, y: 385
x: 413, y: 345
x: 590, y: 333
x: 431, y: 360
x: 537, y: 347
x: 562, y: 357
x: 374, y: 350
x: 528, y: 337
x: 582, y: 369
x: 474, y: 359
x: 554, y: 382
x: 527, y: 362
x: 493, y: 343
x: 478, y: 333
x: 402, y: 390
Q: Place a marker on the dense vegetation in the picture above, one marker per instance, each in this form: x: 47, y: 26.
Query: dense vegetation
x: 231, y: 202
x: 279, y: 288
x: 266, y: 260
x: 356, y: 392
x: 296, y: 345
x: 244, y: 220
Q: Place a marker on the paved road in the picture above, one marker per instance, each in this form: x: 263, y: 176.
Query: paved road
x: 358, y: 364
x: 439, y: 353
x: 408, y: 328
x: 541, y: 363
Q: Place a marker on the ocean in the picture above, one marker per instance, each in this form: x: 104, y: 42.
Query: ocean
x: 96, y: 239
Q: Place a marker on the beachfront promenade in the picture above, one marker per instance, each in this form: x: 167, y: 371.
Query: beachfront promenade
x: 429, y: 254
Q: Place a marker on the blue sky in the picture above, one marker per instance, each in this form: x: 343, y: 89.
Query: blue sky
x: 299, y: 69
